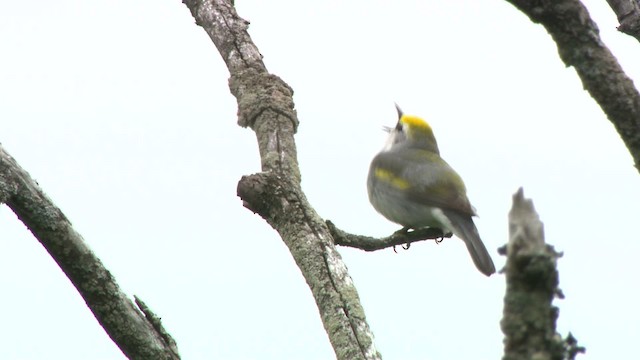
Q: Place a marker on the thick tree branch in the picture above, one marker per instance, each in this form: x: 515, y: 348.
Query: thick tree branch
x: 580, y: 46
x: 125, y: 324
x: 529, y: 319
x: 628, y: 13
x: 265, y: 104
x: 368, y: 243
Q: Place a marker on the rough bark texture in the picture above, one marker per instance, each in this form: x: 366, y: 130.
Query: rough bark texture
x: 580, y: 46
x: 137, y: 337
x: 265, y: 105
x: 628, y: 13
x: 529, y: 319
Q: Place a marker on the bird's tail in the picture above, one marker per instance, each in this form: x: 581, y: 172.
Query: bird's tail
x: 464, y: 228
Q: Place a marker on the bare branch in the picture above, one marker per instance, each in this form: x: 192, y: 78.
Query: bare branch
x: 368, y: 243
x: 156, y: 322
x: 120, y: 318
x: 265, y: 104
x: 529, y: 319
x: 580, y: 46
x: 628, y: 13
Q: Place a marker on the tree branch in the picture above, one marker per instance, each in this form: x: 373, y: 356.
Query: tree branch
x: 265, y: 104
x: 580, y: 46
x: 368, y: 243
x: 120, y: 318
x: 628, y: 13
x: 529, y: 319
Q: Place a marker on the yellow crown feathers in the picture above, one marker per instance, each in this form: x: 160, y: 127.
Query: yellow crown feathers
x: 415, y: 122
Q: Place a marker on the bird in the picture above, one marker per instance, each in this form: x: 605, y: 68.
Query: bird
x: 411, y: 185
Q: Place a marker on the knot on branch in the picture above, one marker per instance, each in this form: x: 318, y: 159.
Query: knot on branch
x: 252, y: 189
x: 368, y: 243
x: 257, y: 91
x: 630, y: 25
x: 271, y: 195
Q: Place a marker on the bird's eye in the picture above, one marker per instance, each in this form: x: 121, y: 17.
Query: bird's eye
x: 399, y: 126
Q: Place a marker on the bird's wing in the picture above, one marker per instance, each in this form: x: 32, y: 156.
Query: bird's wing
x: 431, y: 180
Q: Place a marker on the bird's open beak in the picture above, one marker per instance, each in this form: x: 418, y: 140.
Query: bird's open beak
x: 399, y: 111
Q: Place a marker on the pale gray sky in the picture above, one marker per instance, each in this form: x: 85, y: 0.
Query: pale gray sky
x: 121, y: 111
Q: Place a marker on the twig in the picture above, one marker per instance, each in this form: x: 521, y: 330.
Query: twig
x: 368, y: 243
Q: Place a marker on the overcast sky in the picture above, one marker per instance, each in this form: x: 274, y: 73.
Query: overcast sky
x: 121, y: 111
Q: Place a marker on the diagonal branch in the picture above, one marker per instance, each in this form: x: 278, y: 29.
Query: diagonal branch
x: 580, y: 46
x: 265, y: 104
x: 123, y: 322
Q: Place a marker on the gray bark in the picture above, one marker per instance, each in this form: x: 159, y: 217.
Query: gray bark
x: 265, y: 105
x: 529, y: 318
x: 579, y: 45
x: 628, y: 13
x: 128, y: 327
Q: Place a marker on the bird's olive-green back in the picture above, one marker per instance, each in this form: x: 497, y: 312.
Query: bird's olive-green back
x: 422, y: 176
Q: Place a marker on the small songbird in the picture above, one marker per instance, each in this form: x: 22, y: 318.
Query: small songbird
x: 411, y: 185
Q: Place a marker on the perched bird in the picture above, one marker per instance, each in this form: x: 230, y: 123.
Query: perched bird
x: 411, y: 185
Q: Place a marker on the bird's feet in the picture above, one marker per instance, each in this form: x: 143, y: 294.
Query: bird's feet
x: 402, y: 232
